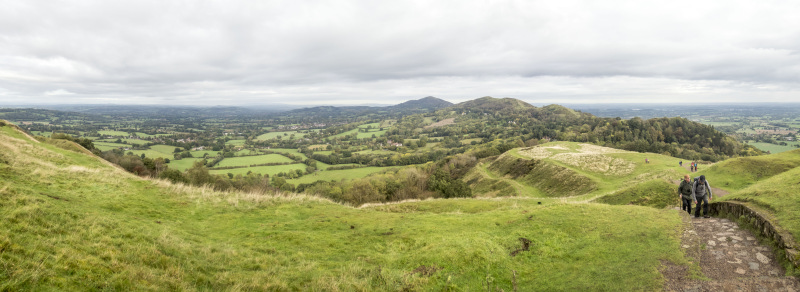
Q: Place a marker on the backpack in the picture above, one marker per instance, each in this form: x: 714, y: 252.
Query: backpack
x: 700, y: 187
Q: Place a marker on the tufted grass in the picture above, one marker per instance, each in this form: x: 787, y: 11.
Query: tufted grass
x: 71, y: 222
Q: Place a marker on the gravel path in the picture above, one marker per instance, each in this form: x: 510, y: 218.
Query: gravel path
x: 730, y: 258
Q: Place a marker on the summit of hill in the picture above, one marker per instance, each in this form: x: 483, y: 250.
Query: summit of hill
x: 488, y: 103
x: 426, y: 103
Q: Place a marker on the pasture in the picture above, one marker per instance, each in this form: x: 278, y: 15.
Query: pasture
x: 283, y: 135
x: 250, y: 160
x: 270, y: 170
x: 113, y: 133
x: 328, y: 175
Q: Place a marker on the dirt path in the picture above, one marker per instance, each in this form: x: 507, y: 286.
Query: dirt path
x: 729, y: 257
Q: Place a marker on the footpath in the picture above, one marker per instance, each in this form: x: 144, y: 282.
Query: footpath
x: 730, y: 259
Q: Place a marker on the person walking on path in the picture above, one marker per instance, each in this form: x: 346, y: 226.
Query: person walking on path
x: 701, y: 194
x: 685, y: 194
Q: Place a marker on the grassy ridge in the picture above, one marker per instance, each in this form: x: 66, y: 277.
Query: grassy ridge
x: 569, y: 169
x: 71, y: 222
x: 654, y: 193
x: 778, y: 195
x: 738, y: 173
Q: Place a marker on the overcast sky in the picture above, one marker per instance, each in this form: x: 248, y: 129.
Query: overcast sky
x: 386, y: 52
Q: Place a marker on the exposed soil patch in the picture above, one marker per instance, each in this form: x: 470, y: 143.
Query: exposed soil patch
x: 426, y: 271
x: 526, y: 245
x: 441, y: 123
x: 730, y: 258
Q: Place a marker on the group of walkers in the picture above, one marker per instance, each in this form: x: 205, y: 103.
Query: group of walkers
x: 692, y: 166
x: 697, y: 191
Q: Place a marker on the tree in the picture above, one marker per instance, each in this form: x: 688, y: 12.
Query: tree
x: 198, y: 174
x: 173, y: 175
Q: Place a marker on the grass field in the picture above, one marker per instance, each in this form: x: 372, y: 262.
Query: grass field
x: 201, y: 153
x: 120, y: 232
x: 271, y: 170
x: 105, y: 146
x: 250, y: 160
x: 469, y: 141
x: 379, y: 152
x: 235, y: 142
x: 328, y: 175
x: 40, y: 133
x: 143, y: 135
x: 69, y: 221
x: 292, y: 151
x: 129, y: 141
x: 273, y: 135
x: 344, y: 134
x: 318, y: 147
x: 182, y: 164
x: 772, y: 148
x: 113, y: 133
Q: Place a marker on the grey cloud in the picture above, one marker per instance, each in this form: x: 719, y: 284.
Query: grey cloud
x: 317, y: 51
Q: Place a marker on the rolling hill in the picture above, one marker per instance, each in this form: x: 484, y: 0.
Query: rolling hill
x: 425, y: 103
x: 71, y: 221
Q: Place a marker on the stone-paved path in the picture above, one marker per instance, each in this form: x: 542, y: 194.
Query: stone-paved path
x: 730, y: 258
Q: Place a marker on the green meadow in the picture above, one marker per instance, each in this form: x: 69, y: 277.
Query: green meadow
x: 290, y: 151
x: 105, y: 146
x: 556, y: 217
x: 235, y: 142
x: 283, y: 135
x: 183, y: 163
x: 250, y: 160
x: 128, y: 141
x: 773, y: 148
x: 329, y: 175
x: 113, y: 133
x: 270, y: 170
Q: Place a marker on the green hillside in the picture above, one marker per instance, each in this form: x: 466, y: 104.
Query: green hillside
x: 735, y: 174
x: 70, y: 221
x: 769, y: 182
x: 577, y: 171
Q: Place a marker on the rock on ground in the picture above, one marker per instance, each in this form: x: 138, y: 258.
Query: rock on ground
x: 730, y: 258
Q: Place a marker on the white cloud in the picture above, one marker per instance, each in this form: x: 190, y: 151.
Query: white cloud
x: 58, y: 92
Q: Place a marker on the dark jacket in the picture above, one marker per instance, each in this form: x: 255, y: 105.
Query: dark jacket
x: 685, y: 189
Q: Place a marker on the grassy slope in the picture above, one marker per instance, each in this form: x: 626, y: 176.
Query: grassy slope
x: 654, y: 193
x: 71, y: 222
x: 769, y: 181
x: 606, y: 170
x: 738, y: 173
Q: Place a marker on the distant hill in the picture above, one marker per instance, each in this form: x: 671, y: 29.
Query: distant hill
x: 488, y: 103
x: 426, y: 104
x: 429, y: 103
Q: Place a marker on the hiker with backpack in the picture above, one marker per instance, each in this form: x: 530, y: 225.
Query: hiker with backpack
x: 701, y: 194
x: 685, y: 193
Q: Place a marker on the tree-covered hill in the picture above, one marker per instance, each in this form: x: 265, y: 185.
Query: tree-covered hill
x: 513, y: 120
x: 425, y: 103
